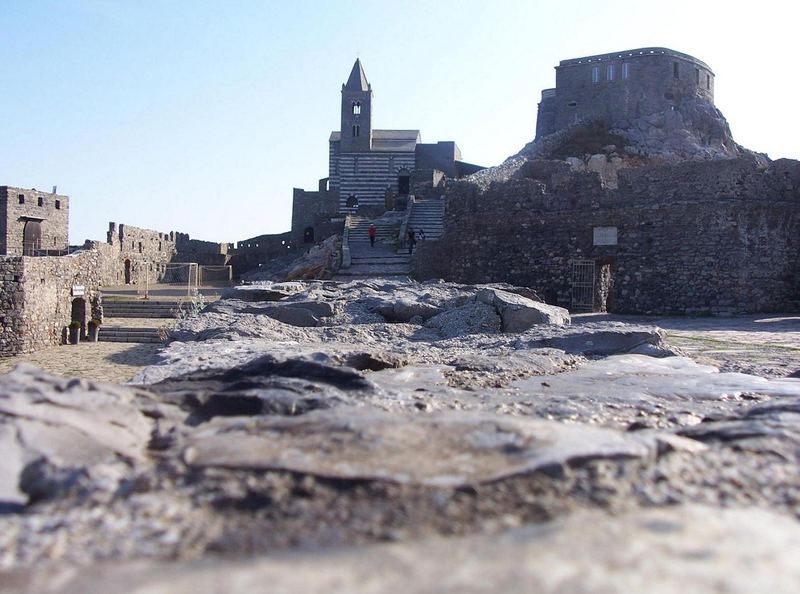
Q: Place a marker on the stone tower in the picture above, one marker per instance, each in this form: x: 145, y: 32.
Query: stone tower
x: 356, y: 112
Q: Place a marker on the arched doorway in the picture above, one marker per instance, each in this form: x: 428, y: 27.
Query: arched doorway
x: 308, y: 235
x: 79, y: 313
x: 31, y: 238
x: 127, y: 272
x: 403, y: 182
x: 352, y: 201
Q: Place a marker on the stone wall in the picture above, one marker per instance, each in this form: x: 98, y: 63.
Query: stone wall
x: 712, y: 237
x: 622, y: 86
x: 315, y: 211
x: 208, y: 253
x: 252, y: 253
x: 37, y: 298
x: 47, y: 210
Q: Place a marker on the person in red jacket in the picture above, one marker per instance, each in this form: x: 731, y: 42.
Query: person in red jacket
x: 372, y: 232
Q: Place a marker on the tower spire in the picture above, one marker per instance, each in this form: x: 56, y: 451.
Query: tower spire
x: 357, y: 80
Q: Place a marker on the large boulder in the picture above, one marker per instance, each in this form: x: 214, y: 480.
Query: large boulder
x: 520, y: 313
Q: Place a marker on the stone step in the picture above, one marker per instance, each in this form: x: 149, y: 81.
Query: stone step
x: 123, y: 334
x: 376, y: 270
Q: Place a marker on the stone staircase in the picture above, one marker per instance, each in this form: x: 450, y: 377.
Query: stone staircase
x: 128, y: 320
x: 383, y: 260
x: 428, y: 215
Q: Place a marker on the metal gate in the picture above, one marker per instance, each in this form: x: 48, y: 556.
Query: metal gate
x: 583, y: 289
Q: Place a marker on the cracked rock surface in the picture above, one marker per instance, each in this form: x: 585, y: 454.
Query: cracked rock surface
x: 496, y: 444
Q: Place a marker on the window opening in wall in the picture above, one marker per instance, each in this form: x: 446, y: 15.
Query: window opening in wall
x: 352, y: 201
x: 596, y: 74
x: 40, y: 201
x: 708, y: 81
x: 626, y: 70
x: 697, y: 75
x: 140, y: 247
x: 610, y: 72
x: 572, y: 104
x: 21, y: 198
x: 356, y: 130
x: 58, y: 204
x: 675, y: 71
x: 357, y: 108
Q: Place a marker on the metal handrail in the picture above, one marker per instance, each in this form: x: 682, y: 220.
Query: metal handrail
x: 346, y: 258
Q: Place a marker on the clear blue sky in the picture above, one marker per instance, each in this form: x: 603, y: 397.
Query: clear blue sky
x: 202, y: 116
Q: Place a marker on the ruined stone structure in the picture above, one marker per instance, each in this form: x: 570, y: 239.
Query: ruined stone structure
x: 40, y: 296
x: 622, y: 86
x: 33, y: 222
x: 691, y: 238
x: 44, y: 287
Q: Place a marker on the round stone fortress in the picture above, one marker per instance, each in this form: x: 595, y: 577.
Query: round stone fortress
x: 621, y: 86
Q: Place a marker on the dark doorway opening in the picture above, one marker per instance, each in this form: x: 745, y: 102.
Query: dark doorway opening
x: 79, y: 313
x: 404, y: 183
x: 352, y: 201
x: 31, y: 238
x: 127, y: 272
x: 605, y: 285
x: 308, y: 235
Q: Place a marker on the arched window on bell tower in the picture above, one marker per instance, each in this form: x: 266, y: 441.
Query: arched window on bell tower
x: 357, y: 108
x: 356, y: 130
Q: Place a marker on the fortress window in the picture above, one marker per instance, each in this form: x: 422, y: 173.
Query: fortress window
x: 596, y: 74
x: 21, y: 198
x: 40, y: 202
x: 626, y: 70
x: 357, y: 108
x: 356, y: 130
x: 572, y: 104
x: 697, y: 75
x: 610, y: 72
x: 58, y: 204
x: 675, y: 71
x: 708, y: 81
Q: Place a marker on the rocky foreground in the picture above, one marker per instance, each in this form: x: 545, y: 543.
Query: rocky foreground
x: 380, y: 436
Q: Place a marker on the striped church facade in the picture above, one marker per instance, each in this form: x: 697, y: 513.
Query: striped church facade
x: 362, y: 179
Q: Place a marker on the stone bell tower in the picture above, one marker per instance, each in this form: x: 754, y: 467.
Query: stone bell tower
x: 356, y: 112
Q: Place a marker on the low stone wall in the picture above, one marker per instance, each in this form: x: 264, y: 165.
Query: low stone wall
x: 692, y: 238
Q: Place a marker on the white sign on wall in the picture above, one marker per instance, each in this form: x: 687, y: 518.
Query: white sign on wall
x: 78, y: 290
x: 605, y: 236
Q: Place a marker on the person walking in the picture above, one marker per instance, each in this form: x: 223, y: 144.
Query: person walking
x: 373, y: 233
x: 421, y: 234
x: 412, y: 239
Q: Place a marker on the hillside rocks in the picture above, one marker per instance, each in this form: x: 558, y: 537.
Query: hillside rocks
x: 473, y: 424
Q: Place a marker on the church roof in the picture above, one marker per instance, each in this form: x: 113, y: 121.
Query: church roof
x: 389, y: 141
x: 357, y: 80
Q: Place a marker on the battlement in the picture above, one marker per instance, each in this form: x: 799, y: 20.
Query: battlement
x: 632, y: 54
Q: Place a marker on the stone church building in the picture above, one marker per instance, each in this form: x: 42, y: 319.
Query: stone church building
x: 366, y: 165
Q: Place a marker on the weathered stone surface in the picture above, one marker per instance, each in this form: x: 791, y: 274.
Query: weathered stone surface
x: 660, y: 551
x: 438, y: 450
x: 70, y: 425
x: 519, y: 313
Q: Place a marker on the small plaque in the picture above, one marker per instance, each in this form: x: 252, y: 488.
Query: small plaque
x: 78, y: 290
x: 605, y: 236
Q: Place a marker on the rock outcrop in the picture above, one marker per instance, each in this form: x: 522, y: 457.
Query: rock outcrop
x: 471, y: 425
